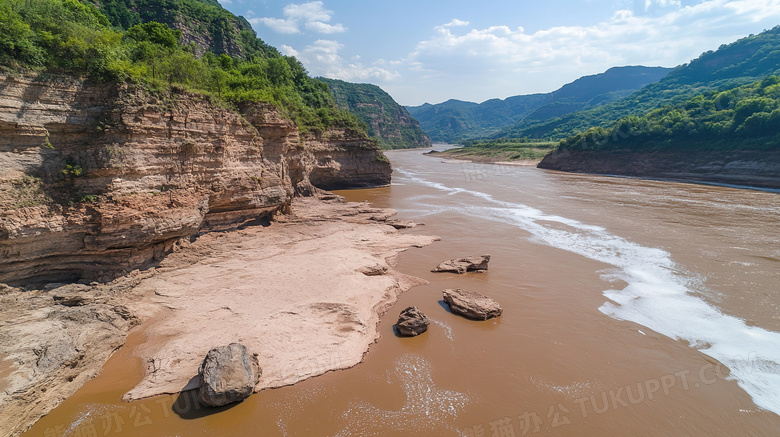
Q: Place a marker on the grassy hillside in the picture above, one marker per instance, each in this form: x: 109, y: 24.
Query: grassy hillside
x: 78, y: 38
x: 744, y: 61
x: 500, y: 150
x: 742, y: 118
x: 386, y: 121
x: 455, y: 120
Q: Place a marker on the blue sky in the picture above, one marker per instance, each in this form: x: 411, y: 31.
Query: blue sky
x: 431, y: 50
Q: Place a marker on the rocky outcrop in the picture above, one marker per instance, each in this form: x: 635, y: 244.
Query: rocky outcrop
x: 342, y: 160
x: 97, y: 180
x: 471, y: 305
x: 53, y: 341
x: 462, y: 265
x: 412, y: 322
x: 228, y: 374
x: 757, y: 169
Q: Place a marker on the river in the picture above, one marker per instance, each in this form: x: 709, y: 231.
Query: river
x: 631, y: 307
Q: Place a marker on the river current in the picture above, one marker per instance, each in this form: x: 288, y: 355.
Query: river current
x: 631, y: 307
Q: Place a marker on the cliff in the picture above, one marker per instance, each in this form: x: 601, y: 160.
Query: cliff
x: 98, y: 180
x: 203, y: 23
x: 757, y: 169
x: 386, y: 120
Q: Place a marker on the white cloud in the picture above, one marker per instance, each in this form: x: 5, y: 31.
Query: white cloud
x: 278, y: 24
x: 288, y: 51
x: 322, y: 59
x: 312, y: 11
x: 320, y: 27
x: 455, y: 23
x: 662, y: 3
x: 312, y: 16
x: 511, y: 59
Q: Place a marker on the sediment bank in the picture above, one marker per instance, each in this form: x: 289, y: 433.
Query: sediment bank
x: 304, y: 292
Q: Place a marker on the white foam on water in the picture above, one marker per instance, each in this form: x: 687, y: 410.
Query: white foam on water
x: 659, y: 294
x: 427, y: 410
x: 93, y: 416
x: 446, y: 327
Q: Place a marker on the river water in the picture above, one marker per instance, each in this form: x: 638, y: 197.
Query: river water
x: 631, y: 308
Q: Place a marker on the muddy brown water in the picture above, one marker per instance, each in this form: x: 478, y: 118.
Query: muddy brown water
x: 631, y: 308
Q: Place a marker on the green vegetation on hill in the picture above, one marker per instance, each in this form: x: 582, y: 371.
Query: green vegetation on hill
x: 596, y: 90
x: 742, y: 118
x: 203, y: 22
x: 742, y: 62
x: 386, y: 121
x: 454, y: 120
x: 73, y: 37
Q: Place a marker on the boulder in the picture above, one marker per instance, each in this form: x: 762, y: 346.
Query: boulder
x: 373, y: 270
x: 462, y: 265
x: 412, y: 322
x: 71, y: 295
x: 401, y: 224
x: 228, y: 374
x: 471, y: 305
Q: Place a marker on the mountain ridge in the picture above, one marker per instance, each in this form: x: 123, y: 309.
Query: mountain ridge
x: 739, y: 63
x: 457, y: 120
x: 386, y: 121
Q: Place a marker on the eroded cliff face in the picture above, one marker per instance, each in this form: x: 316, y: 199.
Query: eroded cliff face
x: 756, y: 169
x: 97, y: 180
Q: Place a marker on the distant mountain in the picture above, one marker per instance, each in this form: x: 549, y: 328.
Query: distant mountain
x: 730, y: 136
x: 386, y: 120
x: 595, y: 90
x: 745, y: 61
x: 456, y: 120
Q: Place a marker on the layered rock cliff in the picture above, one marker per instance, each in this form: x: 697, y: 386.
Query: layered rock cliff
x: 97, y: 180
x: 756, y: 169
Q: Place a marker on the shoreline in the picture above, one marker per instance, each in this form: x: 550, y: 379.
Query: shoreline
x: 741, y: 183
x: 478, y: 159
x: 305, y: 293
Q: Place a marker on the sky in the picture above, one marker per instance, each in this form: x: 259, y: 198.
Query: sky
x: 432, y: 50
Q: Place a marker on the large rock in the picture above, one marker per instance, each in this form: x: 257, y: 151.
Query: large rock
x: 412, y: 322
x: 471, y: 305
x: 228, y: 374
x: 462, y: 265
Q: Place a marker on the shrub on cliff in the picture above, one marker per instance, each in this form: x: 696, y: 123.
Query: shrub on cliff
x: 73, y: 37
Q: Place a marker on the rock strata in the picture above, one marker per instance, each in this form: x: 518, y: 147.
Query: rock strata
x: 98, y: 180
x: 471, y: 305
x: 757, y: 169
x: 463, y: 265
x: 228, y: 374
x: 412, y: 322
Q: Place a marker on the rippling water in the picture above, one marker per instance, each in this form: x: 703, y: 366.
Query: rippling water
x: 631, y: 307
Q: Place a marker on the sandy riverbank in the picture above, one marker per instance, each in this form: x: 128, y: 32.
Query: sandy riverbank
x: 304, y: 293
x: 502, y: 159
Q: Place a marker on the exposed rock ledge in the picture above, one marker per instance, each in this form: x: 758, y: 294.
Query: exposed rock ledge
x: 755, y: 169
x: 98, y: 180
x: 305, y: 293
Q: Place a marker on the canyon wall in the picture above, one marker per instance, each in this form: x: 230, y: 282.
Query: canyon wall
x: 98, y: 180
x: 756, y: 169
